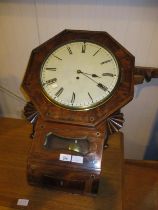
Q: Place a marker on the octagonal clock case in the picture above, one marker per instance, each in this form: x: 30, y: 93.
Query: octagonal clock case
x: 75, y: 81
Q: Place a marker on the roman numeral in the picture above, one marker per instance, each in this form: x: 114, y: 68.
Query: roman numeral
x: 103, y: 87
x: 84, y: 48
x: 107, y: 61
x: 59, y: 92
x: 96, y: 52
x: 51, y: 69
x: 108, y: 74
x: 57, y: 57
x: 69, y: 50
x: 50, y: 81
x: 73, y: 98
x: 90, y: 97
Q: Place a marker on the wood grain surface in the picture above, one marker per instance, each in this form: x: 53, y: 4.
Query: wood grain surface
x: 15, y: 143
x: 141, y: 185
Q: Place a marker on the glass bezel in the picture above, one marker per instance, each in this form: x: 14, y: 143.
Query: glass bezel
x: 81, y: 108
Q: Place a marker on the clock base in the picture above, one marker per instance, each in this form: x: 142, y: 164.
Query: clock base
x: 63, y: 179
x: 67, y: 159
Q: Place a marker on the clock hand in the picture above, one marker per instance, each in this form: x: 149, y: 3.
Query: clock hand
x: 80, y: 72
x: 100, y: 85
x: 93, y: 75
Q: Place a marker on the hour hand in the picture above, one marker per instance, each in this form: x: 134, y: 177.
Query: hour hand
x: 93, y: 75
x: 100, y: 85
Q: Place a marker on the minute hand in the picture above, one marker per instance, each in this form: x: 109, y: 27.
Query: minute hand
x: 100, y: 85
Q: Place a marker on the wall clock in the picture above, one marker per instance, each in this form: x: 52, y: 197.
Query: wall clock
x: 77, y: 82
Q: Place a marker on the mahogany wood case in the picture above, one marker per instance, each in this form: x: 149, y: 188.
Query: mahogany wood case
x: 49, y: 111
x: 44, y: 164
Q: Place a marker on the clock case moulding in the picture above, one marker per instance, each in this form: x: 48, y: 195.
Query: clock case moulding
x: 51, y: 112
x: 93, y: 126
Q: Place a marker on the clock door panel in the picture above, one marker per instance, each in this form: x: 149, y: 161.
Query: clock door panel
x: 76, y: 147
x: 70, y: 162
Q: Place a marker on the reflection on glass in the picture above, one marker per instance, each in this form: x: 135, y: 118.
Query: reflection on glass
x: 78, y: 145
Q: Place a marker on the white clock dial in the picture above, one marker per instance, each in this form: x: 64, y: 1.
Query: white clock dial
x: 79, y: 75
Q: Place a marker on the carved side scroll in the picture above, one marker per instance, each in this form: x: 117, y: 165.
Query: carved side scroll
x: 31, y: 115
x: 113, y: 123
